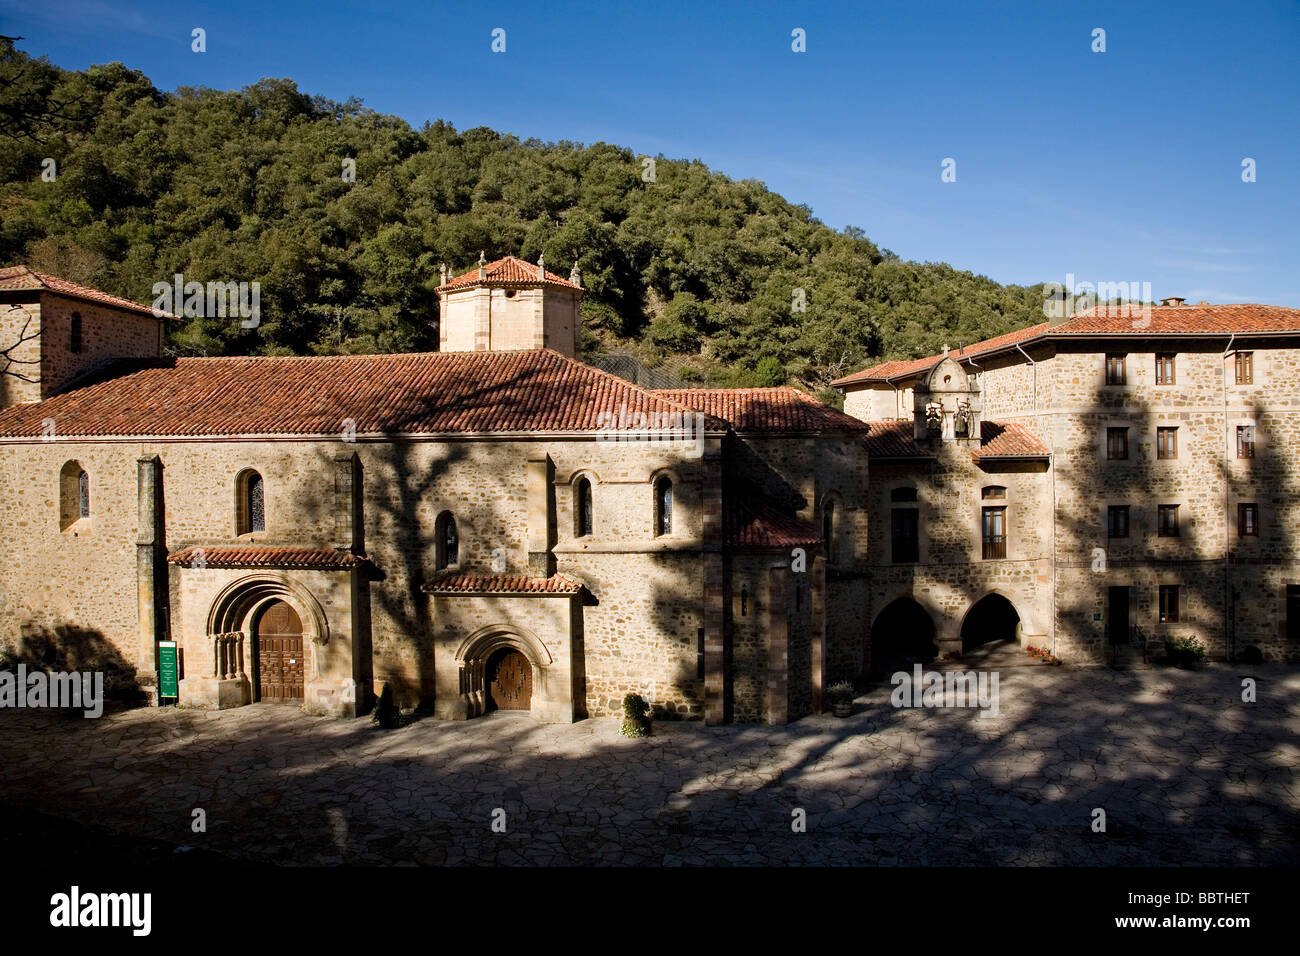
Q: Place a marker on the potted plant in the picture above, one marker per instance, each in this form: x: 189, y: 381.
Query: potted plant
x: 1042, y: 654
x: 840, y: 697
x: 636, y: 718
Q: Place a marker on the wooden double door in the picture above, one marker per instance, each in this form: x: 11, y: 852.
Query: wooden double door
x: 509, y: 680
x: 279, y: 655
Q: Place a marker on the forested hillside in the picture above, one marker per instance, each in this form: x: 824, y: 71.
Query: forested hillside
x: 694, y: 272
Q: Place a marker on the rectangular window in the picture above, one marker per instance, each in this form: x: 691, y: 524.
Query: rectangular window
x: 1248, y: 520
x: 1117, y: 521
x: 905, y: 545
x: 1168, y: 603
x: 1245, y: 441
x: 1166, y: 442
x: 1115, y: 371
x: 1117, y: 444
x: 1164, y: 368
x: 1167, y: 521
x: 995, y: 532
x: 1245, y: 368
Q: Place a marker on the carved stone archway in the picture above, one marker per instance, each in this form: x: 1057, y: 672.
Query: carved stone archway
x: 231, y: 626
x: 472, y: 658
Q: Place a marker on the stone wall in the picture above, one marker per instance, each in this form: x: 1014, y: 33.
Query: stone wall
x: 106, y: 334
x: 951, y: 575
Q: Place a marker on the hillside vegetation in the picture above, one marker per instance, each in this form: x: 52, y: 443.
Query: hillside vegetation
x: 693, y: 272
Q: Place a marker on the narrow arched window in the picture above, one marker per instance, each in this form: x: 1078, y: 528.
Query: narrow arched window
x: 828, y: 530
x: 584, y: 507
x: 251, y: 507
x: 74, y: 495
x: 446, y: 542
x: 74, y: 333
x: 664, y: 506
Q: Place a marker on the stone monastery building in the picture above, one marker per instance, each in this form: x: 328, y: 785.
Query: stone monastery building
x: 499, y: 526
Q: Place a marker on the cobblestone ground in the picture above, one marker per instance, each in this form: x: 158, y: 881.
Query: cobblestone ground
x: 1186, y: 772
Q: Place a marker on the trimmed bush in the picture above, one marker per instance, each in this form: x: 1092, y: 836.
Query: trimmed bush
x: 636, y: 720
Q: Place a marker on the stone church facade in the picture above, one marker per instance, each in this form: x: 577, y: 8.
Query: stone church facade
x: 499, y: 526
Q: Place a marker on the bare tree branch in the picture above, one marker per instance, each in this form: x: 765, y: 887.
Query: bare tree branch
x: 9, y: 361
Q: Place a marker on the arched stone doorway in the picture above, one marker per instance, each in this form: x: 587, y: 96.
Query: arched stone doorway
x: 991, y: 624
x: 278, y: 654
x: 503, y: 667
x: 267, y: 638
x: 902, y: 635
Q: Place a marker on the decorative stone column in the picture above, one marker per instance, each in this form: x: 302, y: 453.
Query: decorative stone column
x: 778, y: 645
x: 715, y: 689
x: 150, y: 582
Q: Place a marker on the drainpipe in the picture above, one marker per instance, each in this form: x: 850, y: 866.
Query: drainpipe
x: 898, y: 396
x: 1227, y: 527
x: 1051, y: 463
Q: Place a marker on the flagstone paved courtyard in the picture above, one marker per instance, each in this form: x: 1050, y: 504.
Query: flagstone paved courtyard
x: 1185, y: 771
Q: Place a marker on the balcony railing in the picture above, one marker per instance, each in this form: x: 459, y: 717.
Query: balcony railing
x: 995, y: 546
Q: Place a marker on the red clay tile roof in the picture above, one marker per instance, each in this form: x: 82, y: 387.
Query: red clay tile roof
x: 893, y: 439
x: 764, y: 409
x: 1009, y: 440
x: 426, y: 393
x: 23, y: 279
x: 508, y: 271
x: 253, y: 556
x: 456, y: 582
x: 750, y: 520
x: 907, y: 367
x: 1241, y: 318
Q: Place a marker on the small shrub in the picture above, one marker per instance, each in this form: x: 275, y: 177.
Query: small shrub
x: 636, y: 722
x: 1185, y: 652
x: 386, y: 714
x: 839, y: 693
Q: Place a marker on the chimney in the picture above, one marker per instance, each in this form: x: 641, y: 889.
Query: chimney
x: 1057, y: 305
x: 541, y: 267
x: 442, y: 273
x: 482, y: 266
x: 575, y: 276
x: 1172, y: 300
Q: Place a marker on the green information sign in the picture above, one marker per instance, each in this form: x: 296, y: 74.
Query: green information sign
x: 168, y: 673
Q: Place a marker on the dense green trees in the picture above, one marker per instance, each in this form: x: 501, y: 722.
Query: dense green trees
x: 716, y: 280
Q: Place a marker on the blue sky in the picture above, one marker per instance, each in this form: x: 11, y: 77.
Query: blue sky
x: 1115, y: 166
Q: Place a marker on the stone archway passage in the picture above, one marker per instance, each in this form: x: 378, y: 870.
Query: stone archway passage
x: 992, y: 620
x: 279, y: 653
x: 509, y: 680
x: 902, y: 635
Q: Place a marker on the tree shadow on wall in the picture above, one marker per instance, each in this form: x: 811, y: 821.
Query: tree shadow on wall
x: 66, y: 648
